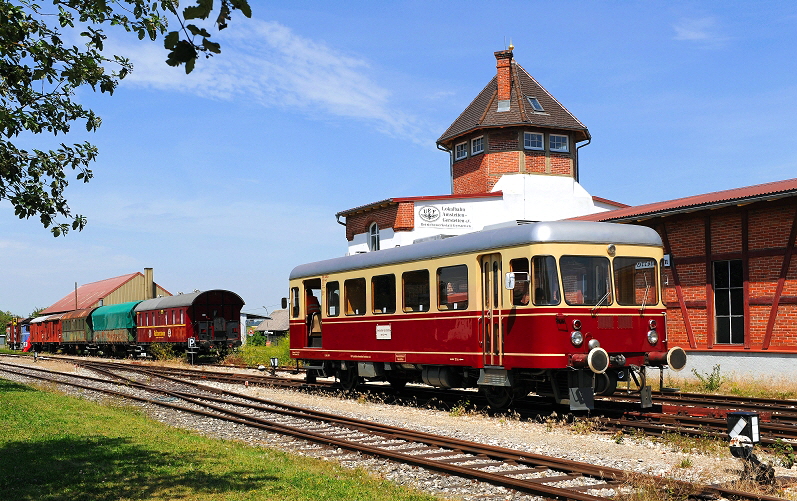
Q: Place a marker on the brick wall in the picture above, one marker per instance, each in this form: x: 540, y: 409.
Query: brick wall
x: 504, y: 154
x: 399, y: 217
x: 768, y: 228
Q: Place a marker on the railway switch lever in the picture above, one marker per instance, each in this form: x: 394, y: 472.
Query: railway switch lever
x: 744, y: 433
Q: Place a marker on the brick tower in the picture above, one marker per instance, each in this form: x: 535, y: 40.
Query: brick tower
x: 514, y: 126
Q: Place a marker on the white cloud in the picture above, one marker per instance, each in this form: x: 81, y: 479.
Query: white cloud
x: 703, y: 30
x: 269, y: 64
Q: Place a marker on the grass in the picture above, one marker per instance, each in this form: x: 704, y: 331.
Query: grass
x: 252, y: 356
x: 54, y: 447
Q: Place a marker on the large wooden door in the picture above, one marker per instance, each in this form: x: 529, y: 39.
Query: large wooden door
x: 492, y: 329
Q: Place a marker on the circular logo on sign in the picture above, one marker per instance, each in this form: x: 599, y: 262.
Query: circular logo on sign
x: 429, y: 213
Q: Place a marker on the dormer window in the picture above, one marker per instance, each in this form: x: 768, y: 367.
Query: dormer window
x: 559, y: 143
x: 461, y: 151
x: 533, y: 141
x: 477, y: 145
x: 535, y: 104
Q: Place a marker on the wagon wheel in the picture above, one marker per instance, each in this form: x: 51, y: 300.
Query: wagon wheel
x: 498, y: 397
x: 349, y: 378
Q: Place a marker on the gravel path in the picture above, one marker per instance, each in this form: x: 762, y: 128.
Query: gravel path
x: 637, y: 454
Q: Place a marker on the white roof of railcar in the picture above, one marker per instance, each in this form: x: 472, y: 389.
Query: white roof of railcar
x: 542, y: 232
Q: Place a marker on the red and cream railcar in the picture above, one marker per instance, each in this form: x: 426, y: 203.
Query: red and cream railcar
x: 204, y: 321
x: 564, y: 309
x: 46, y: 333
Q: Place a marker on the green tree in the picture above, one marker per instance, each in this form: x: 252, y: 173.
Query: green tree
x: 39, y: 74
x: 5, y: 317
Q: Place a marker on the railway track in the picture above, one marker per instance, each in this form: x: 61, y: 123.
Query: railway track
x: 550, y: 477
x: 691, y: 414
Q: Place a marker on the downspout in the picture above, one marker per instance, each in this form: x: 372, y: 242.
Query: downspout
x: 337, y: 218
x: 450, y: 165
x: 577, y: 158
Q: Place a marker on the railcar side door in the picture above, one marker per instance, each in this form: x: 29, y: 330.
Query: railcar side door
x: 492, y: 328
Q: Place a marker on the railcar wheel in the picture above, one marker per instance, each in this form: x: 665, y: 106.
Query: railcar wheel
x: 498, y: 397
x: 349, y: 379
x: 606, y: 383
x: 397, y: 383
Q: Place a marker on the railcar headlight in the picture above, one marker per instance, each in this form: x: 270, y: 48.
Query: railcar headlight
x: 577, y: 324
x: 653, y: 337
x: 576, y: 338
x: 652, y: 323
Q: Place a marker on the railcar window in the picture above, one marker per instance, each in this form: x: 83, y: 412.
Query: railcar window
x: 384, y: 293
x: 586, y: 280
x: 635, y: 281
x: 416, y: 290
x: 354, y: 295
x: 520, y: 294
x: 295, y: 302
x: 333, y: 299
x: 182, y: 318
x: 545, y: 281
x: 452, y: 287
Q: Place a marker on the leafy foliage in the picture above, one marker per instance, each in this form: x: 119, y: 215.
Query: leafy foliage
x: 39, y: 74
x: 5, y: 318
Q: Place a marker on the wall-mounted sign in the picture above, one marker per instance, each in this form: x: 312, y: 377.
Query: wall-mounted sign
x: 443, y: 216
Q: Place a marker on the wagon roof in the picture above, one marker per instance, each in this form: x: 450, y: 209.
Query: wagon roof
x: 114, y: 316
x: 543, y: 232
x: 77, y: 313
x: 43, y: 318
x: 179, y: 300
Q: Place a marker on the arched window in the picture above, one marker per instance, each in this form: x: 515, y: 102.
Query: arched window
x: 373, y: 237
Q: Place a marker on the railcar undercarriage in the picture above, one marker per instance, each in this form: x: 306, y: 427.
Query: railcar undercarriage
x: 500, y: 387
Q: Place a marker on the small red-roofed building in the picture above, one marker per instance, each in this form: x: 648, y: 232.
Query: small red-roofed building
x: 132, y: 287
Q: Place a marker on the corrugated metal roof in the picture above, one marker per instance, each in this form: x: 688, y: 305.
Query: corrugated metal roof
x: 766, y: 191
x: 77, y: 313
x: 543, y: 232
x: 483, y: 112
x: 89, y: 294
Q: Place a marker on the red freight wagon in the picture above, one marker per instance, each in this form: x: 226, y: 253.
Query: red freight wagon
x: 45, y: 332
x: 565, y: 309
x: 202, y: 320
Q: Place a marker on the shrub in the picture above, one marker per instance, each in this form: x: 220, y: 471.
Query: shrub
x: 710, y: 382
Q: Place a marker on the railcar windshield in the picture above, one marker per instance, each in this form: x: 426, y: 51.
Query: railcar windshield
x: 635, y: 281
x: 546, y: 283
x: 586, y: 280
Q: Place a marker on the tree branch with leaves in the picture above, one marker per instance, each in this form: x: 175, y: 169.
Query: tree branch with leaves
x: 39, y: 74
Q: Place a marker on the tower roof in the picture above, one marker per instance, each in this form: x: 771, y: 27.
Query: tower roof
x: 483, y: 112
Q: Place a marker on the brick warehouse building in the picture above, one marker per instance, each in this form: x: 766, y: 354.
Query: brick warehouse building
x: 731, y: 287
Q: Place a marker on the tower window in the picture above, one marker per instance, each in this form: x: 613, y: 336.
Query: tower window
x: 461, y: 151
x: 373, y: 237
x: 477, y: 145
x: 533, y: 141
x: 535, y: 104
x: 559, y: 143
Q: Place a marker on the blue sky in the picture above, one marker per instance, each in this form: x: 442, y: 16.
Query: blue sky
x: 231, y: 176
